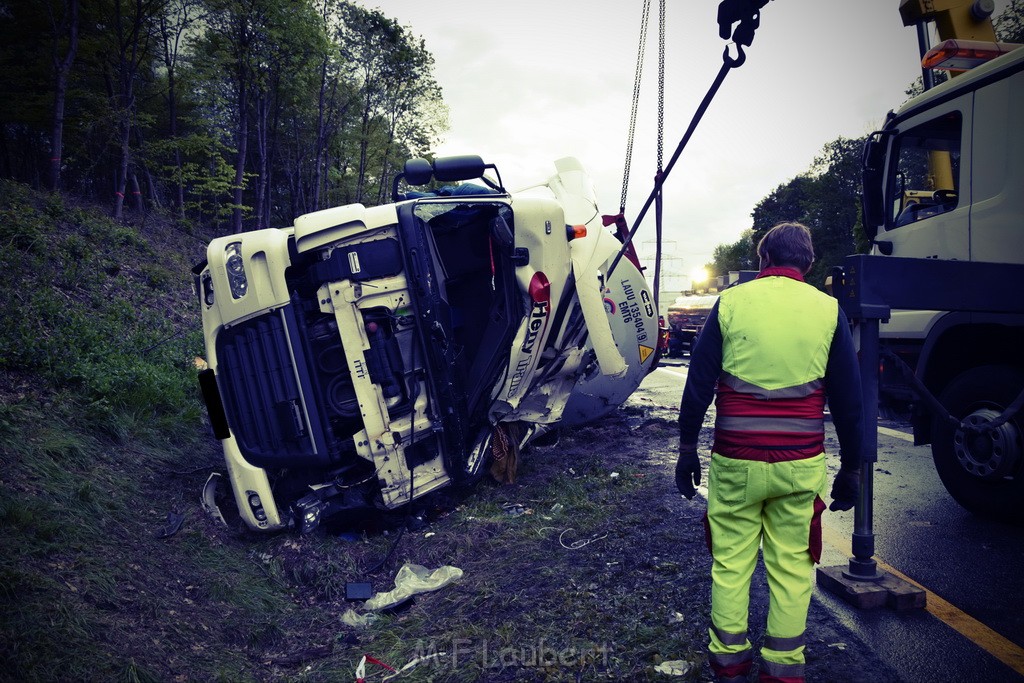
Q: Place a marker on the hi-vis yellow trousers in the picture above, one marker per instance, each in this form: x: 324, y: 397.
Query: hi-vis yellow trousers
x: 776, y: 505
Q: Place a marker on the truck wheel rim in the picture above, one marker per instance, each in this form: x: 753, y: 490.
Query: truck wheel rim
x: 987, y: 454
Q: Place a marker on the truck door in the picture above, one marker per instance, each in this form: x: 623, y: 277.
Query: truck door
x: 997, y: 174
x: 928, y: 186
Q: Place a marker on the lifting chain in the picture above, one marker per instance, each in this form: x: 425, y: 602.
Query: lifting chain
x: 637, y: 78
x: 747, y: 13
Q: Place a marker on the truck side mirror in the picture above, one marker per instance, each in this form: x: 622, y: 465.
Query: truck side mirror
x: 418, y: 172
x: 873, y: 170
x: 452, y: 169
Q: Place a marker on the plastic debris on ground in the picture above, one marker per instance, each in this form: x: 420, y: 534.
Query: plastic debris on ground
x: 361, y: 667
x: 357, y: 620
x: 358, y: 590
x: 174, y: 521
x: 516, y: 509
x: 413, y: 579
x: 415, y: 662
x: 209, y: 498
x: 677, y: 667
x: 580, y: 543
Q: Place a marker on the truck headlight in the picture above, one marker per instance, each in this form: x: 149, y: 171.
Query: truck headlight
x: 206, y: 289
x: 236, y: 270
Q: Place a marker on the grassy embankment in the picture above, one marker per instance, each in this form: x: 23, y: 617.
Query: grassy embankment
x: 102, y: 435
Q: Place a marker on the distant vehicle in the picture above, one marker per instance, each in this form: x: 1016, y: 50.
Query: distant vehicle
x: 686, y: 318
x: 367, y: 356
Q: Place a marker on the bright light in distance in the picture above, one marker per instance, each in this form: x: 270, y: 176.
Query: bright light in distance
x: 699, y: 275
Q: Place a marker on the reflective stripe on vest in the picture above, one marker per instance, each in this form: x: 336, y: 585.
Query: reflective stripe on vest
x: 776, y: 335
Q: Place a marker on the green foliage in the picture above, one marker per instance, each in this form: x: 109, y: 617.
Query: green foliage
x: 826, y: 198
x: 309, y: 103
x: 740, y: 255
x: 198, y: 161
x: 1009, y: 25
x: 97, y: 406
x: 84, y: 313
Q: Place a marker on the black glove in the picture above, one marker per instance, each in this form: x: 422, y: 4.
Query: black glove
x: 845, y: 489
x: 687, y: 470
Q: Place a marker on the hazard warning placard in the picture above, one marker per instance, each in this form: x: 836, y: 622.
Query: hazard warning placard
x: 645, y: 352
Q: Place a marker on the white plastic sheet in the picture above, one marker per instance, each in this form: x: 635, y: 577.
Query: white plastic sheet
x: 412, y: 579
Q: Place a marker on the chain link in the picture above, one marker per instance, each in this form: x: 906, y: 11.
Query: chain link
x: 636, y: 100
x: 661, y: 83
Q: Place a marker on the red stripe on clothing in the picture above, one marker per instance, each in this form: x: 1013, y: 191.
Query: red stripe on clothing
x: 781, y: 271
x: 707, y: 532
x: 765, y: 678
x: 768, y: 446
x: 814, y: 540
x: 732, y: 402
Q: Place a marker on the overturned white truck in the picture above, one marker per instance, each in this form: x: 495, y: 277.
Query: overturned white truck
x: 366, y: 357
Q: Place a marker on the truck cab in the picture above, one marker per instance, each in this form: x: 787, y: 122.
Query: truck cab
x: 367, y: 356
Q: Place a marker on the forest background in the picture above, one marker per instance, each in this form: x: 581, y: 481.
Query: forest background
x: 243, y: 114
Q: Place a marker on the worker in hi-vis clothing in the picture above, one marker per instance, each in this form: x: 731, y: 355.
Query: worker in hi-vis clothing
x: 772, y: 350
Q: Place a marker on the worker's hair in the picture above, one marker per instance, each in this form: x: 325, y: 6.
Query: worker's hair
x: 787, y: 244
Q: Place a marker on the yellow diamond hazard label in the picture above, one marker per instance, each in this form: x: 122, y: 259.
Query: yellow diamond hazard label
x: 645, y: 352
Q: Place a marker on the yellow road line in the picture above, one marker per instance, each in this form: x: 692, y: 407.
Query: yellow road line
x: 1000, y: 647
x: 896, y: 434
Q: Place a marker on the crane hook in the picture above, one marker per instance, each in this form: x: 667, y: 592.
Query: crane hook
x: 733, y: 62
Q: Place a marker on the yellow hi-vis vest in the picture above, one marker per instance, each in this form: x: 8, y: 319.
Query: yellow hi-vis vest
x: 776, y: 335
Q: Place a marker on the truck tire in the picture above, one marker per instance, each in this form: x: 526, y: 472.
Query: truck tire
x: 984, y: 474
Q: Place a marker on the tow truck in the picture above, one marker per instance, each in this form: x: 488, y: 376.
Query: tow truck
x: 365, y: 357
x: 941, y: 288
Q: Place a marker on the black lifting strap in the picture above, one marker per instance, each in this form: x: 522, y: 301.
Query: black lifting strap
x: 748, y: 15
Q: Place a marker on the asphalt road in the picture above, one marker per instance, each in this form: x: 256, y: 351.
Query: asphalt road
x: 973, y: 627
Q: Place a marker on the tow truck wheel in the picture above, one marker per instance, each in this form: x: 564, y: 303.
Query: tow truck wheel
x: 983, y: 471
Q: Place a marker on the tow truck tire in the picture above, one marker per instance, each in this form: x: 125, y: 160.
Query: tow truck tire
x: 985, y: 391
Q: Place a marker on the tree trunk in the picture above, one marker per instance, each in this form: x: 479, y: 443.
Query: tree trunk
x: 364, y: 144
x: 243, y: 142
x: 154, y: 197
x: 385, y: 165
x: 137, y: 194
x: 170, y: 63
x: 62, y: 67
x: 122, y: 172
x: 320, y: 135
x: 262, y: 103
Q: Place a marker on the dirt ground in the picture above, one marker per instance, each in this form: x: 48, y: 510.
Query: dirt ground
x: 636, y: 590
x: 591, y: 560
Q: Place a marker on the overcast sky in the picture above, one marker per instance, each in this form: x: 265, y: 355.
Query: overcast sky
x: 530, y: 81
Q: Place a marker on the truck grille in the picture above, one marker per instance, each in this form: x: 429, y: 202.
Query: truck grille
x: 267, y: 407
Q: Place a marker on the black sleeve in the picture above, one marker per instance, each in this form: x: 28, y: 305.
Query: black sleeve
x: 705, y: 367
x: 842, y: 385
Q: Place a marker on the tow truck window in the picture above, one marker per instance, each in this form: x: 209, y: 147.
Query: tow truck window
x: 926, y: 179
